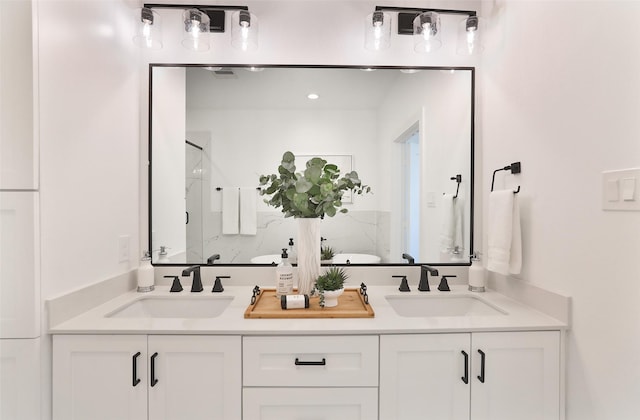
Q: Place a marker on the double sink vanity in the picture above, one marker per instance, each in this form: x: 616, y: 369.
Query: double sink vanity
x: 443, y: 355
x: 440, y: 355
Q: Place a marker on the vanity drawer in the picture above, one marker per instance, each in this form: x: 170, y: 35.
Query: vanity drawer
x: 310, y: 361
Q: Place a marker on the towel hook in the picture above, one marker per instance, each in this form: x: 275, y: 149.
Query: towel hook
x: 515, y: 168
x: 458, y: 179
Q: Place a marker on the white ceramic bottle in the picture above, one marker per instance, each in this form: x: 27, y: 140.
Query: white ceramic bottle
x: 284, y: 276
x: 477, y: 274
x: 145, y: 274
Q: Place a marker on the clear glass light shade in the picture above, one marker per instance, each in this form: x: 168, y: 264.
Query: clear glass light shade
x: 470, y: 30
x: 426, y: 32
x: 196, y: 30
x: 377, y: 31
x: 148, y: 29
x: 244, y: 30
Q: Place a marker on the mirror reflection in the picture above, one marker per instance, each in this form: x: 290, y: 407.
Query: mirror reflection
x: 215, y: 130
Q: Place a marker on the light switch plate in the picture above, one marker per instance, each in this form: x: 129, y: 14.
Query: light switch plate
x: 628, y: 189
x: 619, y: 190
x: 123, y: 248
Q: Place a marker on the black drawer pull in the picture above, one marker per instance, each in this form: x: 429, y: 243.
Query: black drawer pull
x: 154, y: 381
x: 465, y: 378
x: 323, y: 362
x: 482, y: 360
x: 134, y: 361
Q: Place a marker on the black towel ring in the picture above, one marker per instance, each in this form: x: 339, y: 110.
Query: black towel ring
x: 515, y: 168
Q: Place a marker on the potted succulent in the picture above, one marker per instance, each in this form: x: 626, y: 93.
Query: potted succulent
x: 309, y: 195
x: 326, y: 255
x: 330, y: 286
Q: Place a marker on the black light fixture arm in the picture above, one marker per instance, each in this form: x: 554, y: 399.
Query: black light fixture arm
x: 418, y: 10
x: 202, y: 7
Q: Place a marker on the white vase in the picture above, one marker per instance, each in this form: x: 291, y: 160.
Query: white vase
x: 331, y: 297
x: 308, y: 253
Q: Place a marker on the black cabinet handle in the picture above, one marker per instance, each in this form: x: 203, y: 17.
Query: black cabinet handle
x: 187, y: 220
x: 482, y: 360
x: 465, y: 378
x: 134, y: 361
x: 323, y: 362
x: 154, y: 381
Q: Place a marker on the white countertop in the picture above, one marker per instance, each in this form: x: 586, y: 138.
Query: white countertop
x: 518, y: 317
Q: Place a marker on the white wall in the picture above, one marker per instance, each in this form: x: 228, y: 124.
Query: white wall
x: 89, y: 141
x: 560, y: 92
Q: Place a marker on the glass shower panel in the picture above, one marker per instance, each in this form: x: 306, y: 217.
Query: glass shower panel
x: 193, y: 198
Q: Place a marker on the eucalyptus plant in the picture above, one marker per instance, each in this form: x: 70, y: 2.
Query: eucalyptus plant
x: 314, y: 192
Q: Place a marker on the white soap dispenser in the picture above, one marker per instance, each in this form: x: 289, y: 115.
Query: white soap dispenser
x: 284, y: 276
x: 477, y: 274
x: 145, y: 274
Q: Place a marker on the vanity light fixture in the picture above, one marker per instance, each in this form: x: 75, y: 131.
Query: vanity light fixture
x: 469, y: 36
x: 198, y: 22
x: 148, y: 29
x: 195, y: 35
x: 244, y: 30
x: 377, y: 31
x: 424, y: 25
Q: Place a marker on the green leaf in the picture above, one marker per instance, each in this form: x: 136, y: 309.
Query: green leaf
x: 313, y: 174
x: 302, y: 185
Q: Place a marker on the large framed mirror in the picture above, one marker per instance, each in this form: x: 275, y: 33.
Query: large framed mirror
x: 408, y: 132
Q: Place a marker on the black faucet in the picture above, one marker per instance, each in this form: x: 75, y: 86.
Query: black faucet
x: 409, y: 258
x: 196, y: 285
x: 425, y: 270
x: 212, y: 258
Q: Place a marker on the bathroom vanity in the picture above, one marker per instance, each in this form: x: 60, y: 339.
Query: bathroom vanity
x: 478, y: 356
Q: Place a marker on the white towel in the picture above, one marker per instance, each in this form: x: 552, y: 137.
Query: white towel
x: 458, y: 222
x: 248, y: 211
x: 505, y: 241
x: 230, y: 211
x: 447, y: 232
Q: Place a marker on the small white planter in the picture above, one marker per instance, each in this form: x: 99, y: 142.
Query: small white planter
x: 331, y: 297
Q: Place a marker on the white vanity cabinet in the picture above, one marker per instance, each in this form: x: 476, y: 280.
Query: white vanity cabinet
x: 319, y: 377
x: 138, y: 377
x: 477, y: 376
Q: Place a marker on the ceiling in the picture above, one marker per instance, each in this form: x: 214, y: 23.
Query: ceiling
x: 239, y: 88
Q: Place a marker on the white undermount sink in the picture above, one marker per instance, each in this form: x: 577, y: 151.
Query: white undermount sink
x: 430, y: 306
x: 173, y: 307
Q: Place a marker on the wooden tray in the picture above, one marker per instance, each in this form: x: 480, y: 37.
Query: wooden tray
x: 350, y: 305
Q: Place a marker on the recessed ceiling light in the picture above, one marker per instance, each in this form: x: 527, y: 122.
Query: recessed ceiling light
x: 313, y: 96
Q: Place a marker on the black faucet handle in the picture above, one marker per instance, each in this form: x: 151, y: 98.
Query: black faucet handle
x: 444, y: 285
x: 404, y: 285
x: 175, y: 286
x: 217, y: 284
